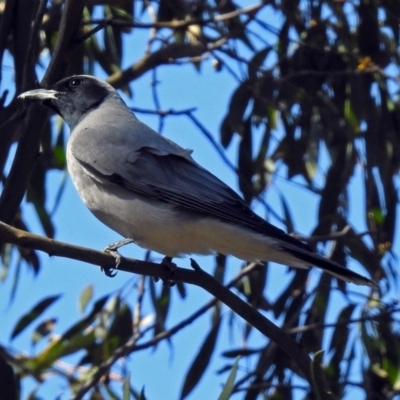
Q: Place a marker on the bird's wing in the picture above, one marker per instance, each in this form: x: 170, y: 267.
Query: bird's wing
x: 168, y: 173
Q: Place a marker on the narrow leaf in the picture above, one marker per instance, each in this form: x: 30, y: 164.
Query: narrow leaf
x: 126, y: 393
x: 201, y: 361
x: 43, y: 330
x: 230, y: 382
x: 85, y: 297
x: 33, y: 314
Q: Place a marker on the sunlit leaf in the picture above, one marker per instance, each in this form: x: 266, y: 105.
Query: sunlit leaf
x: 230, y: 382
x: 126, y: 391
x: 85, y: 297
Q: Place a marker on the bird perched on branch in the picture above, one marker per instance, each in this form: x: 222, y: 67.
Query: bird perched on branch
x: 152, y: 192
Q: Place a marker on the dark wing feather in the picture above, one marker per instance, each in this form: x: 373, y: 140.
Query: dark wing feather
x: 180, y: 181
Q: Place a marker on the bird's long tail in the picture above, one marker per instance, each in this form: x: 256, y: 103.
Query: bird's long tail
x: 331, y: 267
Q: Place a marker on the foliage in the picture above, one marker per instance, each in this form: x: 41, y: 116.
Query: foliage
x: 316, y: 102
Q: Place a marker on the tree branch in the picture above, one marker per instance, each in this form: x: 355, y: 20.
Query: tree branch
x: 164, y: 56
x: 197, y: 277
x: 178, y: 24
x: 131, y: 346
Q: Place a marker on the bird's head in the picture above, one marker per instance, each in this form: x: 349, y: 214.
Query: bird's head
x: 72, y: 97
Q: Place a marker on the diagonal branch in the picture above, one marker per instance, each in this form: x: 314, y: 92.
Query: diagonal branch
x: 164, y: 56
x: 196, y: 277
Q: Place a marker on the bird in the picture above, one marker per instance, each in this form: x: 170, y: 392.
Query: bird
x: 151, y: 191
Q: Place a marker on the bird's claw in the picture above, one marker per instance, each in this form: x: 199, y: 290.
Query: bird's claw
x: 171, y: 267
x: 112, y: 249
x: 109, y: 271
x: 167, y: 261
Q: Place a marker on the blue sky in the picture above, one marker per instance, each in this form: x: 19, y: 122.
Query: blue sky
x: 160, y: 371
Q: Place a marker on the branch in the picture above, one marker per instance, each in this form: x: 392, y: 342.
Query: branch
x: 131, y: 346
x: 321, y: 326
x: 197, y: 277
x: 180, y: 24
x: 162, y: 113
x: 333, y: 236
x: 164, y: 56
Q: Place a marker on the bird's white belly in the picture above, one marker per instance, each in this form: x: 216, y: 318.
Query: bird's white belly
x: 159, y: 226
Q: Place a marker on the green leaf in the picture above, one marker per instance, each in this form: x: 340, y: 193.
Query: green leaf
x: 61, y: 347
x: 378, y: 215
x: 230, y: 382
x: 351, y: 117
x: 126, y: 393
x: 85, y: 322
x: 73, y: 340
x: 85, y: 297
x: 33, y: 314
x: 246, y: 286
x: 43, y: 330
x: 59, y: 157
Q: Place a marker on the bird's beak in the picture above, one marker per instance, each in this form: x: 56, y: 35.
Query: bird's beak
x: 39, y: 95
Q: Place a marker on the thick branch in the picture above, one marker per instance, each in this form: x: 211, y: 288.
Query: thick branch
x: 164, y: 56
x: 196, y: 277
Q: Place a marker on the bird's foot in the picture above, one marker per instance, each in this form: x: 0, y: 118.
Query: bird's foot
x: 171, y: 268
x: 112, y: 249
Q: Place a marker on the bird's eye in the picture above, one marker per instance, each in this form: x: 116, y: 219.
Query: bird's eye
x: 73, y: 83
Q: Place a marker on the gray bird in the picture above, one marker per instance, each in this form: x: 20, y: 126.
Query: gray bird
x: 150, y: 190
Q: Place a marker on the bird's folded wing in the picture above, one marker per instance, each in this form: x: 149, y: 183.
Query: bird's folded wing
x: 174, y: 178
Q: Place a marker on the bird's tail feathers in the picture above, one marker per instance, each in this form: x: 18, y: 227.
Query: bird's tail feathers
x: 331, y: 267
